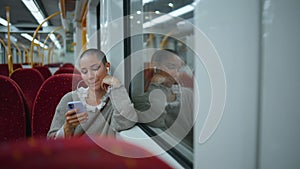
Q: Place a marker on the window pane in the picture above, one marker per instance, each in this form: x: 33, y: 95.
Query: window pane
x: 162, y: 66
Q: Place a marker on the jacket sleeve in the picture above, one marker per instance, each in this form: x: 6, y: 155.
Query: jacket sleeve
x: 124, y: 114
x: 150, y: 106
x: 59, y: 116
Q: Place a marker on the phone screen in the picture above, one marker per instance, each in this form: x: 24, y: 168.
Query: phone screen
x: 76, y: 105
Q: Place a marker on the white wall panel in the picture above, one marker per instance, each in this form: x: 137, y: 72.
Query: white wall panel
x: 280, y: 116
x: 233, y: 27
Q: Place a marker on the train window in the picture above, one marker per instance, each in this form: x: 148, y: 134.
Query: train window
x: 161, y: 58
x: 2, y: 54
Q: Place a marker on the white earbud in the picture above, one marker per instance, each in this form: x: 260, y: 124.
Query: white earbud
x: 107, y: 69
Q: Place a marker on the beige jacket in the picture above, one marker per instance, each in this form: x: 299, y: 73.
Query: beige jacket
x: 118, y: 114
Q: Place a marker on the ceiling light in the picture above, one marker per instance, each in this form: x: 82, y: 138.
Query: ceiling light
x: 39, y: 17
x: 35, y: 11
x: 43, y: 46
x: 169, y: 16
x: 157, y: 20
x: 55, y: 41
x: 3, y: 22
x: 57, y: 44
x: 181, y: 11
x: 146, y: 1
x: 171, y: 5
x: 138, y: 12
x: 30, y: 5
x: 157, y: 12
x: 25, y: 35
x: 28, y: 37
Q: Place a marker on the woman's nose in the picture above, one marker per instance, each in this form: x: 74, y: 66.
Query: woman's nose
x: 91, y: 74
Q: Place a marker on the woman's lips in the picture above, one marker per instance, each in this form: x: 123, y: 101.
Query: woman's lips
x: 93, y: 83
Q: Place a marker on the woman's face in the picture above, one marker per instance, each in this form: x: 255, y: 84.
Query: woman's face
x: 92, y: 71
x: 171, y: 66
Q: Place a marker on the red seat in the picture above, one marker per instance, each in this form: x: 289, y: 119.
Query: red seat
x: 44, y: 71
x: 49, y: 95
x: 53, y: 64
x: 12, y: 111
x: 79, y: 153
x: 29, y: 80
x: 17, y: 66
x: 68, y: 65
x: 4, y: 70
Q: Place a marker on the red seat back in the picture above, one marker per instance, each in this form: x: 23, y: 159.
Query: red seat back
x: 12, y: 111
x: 79, y: 153
x: 49, y: 95
x: 68, y: 65
x: 44, y: 71
x: 4, y: 70
x: 17, y: 66
x: 29, y: 80
x: 53, y: 64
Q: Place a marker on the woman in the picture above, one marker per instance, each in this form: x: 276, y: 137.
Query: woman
x: 105, y: 115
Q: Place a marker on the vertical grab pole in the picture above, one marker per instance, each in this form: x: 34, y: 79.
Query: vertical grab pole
x: 9, y: 56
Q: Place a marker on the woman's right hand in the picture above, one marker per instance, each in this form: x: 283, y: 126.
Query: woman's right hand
x: 72, y: 120
x: 164, y: 79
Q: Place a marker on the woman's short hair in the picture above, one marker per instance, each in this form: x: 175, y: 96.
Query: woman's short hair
x: 163, y: 54
x: 100, y: 55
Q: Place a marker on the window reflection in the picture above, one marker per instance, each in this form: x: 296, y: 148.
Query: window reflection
x: 159, y: 36
x: 167, y: 74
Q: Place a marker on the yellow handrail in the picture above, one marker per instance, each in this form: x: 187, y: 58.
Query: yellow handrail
x: 35, y: 33
x: 165, y: 39
x: 83, y: 26
x: 54, y: 30
x: 9, y: 56
x: 3, y: 43
x: 63, y: 9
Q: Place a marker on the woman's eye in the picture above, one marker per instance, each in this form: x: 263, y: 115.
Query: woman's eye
x: 95, y: 68
x: 83, y: 71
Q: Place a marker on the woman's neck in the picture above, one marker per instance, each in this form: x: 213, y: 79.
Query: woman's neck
x: 94, y: 97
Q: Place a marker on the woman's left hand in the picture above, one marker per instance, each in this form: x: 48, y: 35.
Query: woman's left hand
x: 110, y: 81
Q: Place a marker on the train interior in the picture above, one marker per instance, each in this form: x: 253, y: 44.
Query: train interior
x: 237, y: 85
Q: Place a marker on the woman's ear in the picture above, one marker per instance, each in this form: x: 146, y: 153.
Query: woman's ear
x: 107, y: 65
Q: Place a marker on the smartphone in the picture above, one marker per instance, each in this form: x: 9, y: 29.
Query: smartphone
x: 76, y: 105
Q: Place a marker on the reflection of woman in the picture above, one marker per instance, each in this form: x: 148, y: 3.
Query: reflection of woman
x: 104, y: 115
x: 177, y: 116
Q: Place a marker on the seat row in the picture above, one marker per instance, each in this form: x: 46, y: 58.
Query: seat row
x: 28, y: 102
x: 44, y: 70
